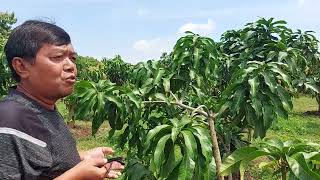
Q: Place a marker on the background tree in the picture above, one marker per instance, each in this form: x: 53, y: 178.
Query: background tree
x: 6, y: 22
x: 306, y: 74
x: 117, y: 70
x: 89, y: 69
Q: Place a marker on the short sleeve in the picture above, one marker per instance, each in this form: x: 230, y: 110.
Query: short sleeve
x: 22, y: 157
x: 24, y: 152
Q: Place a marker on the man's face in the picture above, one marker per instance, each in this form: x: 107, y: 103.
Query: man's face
x: 53, y: 73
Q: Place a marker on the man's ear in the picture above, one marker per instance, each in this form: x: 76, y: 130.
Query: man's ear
x: 21, y: 66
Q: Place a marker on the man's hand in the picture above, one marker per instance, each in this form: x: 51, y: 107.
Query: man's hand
x: 112, y: 169
x: 99, y: 152
x: 92, y: 169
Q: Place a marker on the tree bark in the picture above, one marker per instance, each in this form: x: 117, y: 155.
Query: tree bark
x: 318, y: 101
x: 215, y: 147
x: 283, y: 173
x: 71, y: 117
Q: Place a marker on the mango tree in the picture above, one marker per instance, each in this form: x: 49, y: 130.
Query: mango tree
x: 6, y: 21
x: 306, y: 74
x: 163, y: 112
x: 259, y: 65
x: 116, y: 70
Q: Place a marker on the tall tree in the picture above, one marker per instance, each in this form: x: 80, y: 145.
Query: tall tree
x: 6, y: 22
x: 117, y: 70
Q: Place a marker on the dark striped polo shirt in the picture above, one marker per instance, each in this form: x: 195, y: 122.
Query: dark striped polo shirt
x: 35, y: 143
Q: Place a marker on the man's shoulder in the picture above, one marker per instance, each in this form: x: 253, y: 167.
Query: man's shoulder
x: 17, y: 117
x: 11, y: 111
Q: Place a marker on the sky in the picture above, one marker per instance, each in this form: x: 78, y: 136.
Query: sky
x: 139, y: 30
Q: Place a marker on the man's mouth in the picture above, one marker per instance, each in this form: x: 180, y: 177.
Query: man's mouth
x: 71, y: 79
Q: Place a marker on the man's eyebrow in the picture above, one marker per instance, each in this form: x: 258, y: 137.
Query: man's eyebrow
x: 58, y: 50
x: 64, y: 51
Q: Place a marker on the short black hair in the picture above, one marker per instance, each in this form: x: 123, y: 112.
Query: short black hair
x: 26, y: 40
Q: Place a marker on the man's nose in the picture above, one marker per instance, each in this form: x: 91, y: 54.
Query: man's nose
x: 69, y: 65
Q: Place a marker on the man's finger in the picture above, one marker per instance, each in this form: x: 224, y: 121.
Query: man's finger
x: 98, y: 161
x: 114, y: 165
x: 107, y: 150
x: 113, y: 174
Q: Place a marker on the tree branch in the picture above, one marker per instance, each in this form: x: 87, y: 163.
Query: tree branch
x: 180, y: 104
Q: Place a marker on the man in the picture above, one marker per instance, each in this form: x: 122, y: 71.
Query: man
x: 35, y: 142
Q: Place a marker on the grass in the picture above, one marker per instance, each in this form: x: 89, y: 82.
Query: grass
x: 298, y: 125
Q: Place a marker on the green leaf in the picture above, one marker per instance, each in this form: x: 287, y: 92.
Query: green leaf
x: 166, y: 84
x: 159, y: 152
x: 238, y: 99
x: 282, y: 55
x: 285, y: 98
x: 172, y: 162
x: 134, y: 99
x: 186, y: 168
x: 275, y: 143
x: 203, y: 136
x: 191, y: 144
x: 299, y: 167
x: 250, y: 115
x: 174, y: 133
x: 270, y: 81
x: 117, y: 101
x: 268, y: 114
x: 232, y: 162
x: 284, y: 76
x: 225, y: 106
x: 199, y: 93
x: 254, y: 83
x: 257, y: 105
x: 192, y: 74
x: 152, y: 133
x: 278, y: 108
x: 159, y: 76
x: 249, y: 157
x: 136, y: 171
x: 184, y: 121
x: 162, y: 97
x: 313, y: 87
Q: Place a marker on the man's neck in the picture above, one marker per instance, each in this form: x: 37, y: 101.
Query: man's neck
x: 48, y: 104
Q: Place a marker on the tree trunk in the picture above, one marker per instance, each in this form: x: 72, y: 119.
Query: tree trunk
x: 215, y: 147
x: 249, y: 135
x: 318, y: 101
x: 71, y: 118
x: 283, y: 172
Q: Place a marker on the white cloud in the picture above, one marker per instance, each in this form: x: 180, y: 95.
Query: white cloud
x: 153, y: 45
x: 152, y: 48
x: 301, y: 2
x: 203, y: 29
x: 214, y: 12
x: 143, y: 12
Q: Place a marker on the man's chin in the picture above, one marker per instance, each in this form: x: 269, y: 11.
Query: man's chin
x: 65, y: 93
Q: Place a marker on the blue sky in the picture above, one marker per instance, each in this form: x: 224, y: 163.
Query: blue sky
x: 141, y: 30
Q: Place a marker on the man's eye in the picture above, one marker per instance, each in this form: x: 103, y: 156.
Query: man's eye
x: 57, y: 57
x: 73, y: 59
